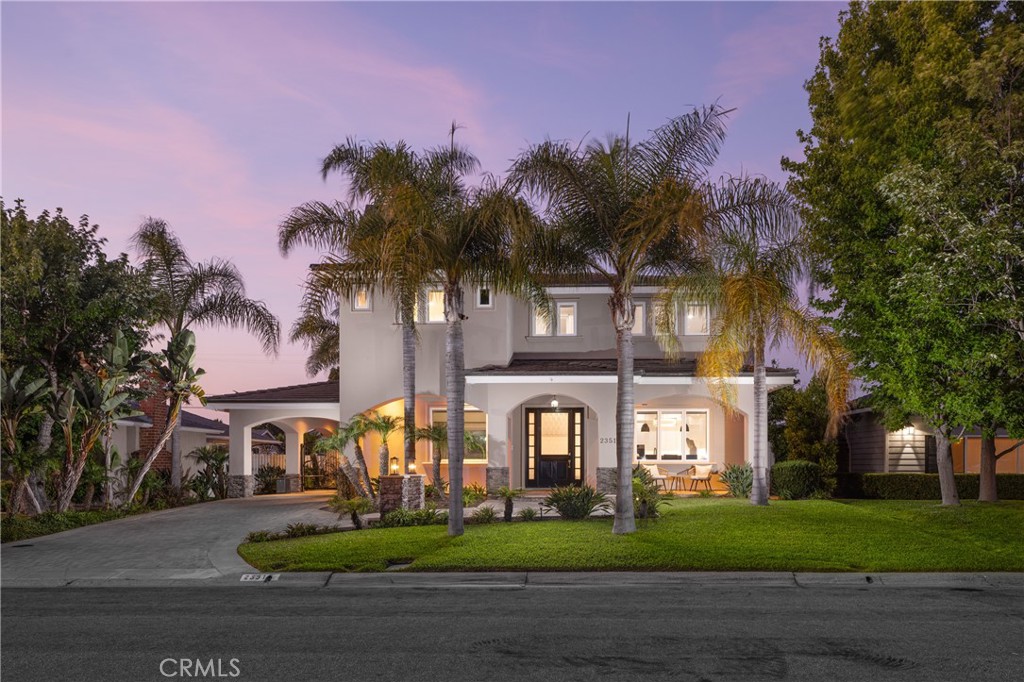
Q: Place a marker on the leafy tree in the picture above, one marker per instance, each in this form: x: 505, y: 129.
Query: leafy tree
x: 214, y: 475
x: 19, y: 401
x: 749, y: 277
x: 61, y: 299
x: 802, y: 426
x: 188, y: 294
x: 911, y: 194
x: 626, y: 211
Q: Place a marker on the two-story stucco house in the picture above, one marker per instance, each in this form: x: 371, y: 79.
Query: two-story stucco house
x: 542, y: 391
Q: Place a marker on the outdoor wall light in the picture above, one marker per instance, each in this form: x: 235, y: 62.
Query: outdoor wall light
x: 412, y: 467
x: 394, y: 466
x: 554, y: 403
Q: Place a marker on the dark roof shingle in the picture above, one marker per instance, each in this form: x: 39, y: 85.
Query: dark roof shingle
x: 317, y: 392
x: 571, y: 364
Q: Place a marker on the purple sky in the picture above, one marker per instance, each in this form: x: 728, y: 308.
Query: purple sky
x: 215, y: 116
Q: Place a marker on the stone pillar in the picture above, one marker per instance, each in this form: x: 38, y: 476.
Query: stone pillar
x: 496, y: 478
x: 240, y: 480
x: 293, y: 461
x: 391, y: 489
x: 413, y: 494
x: 607, y: 480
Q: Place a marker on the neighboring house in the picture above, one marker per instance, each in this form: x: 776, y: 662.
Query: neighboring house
x: 542, y: 391
x: 866, y: 446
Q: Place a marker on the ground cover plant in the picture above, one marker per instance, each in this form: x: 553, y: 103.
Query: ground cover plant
x: 694, y: 535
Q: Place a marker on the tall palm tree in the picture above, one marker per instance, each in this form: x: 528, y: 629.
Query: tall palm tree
x: 749, y: 279
x: 628, y: 212
x: 337, y: 442
x: 384, y: 425
x: 190, y: 295
x: 373, y: 249
x: 317, y: 328
x: 437, y: 435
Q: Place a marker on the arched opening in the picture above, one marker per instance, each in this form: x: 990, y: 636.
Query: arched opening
x: 556, y: 443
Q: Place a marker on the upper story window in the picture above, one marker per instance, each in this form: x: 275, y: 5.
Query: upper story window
x: 484, y: 298
x: 435, y: 306
x: 695, y: 319
x: 639, y: 319
x: 362, y: 301
x: 564, y: 321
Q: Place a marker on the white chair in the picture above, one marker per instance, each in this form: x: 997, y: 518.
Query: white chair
x: 657, y: 475
x: 701, y: 473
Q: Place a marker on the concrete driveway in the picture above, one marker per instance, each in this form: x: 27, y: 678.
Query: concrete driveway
x: 197, y: 542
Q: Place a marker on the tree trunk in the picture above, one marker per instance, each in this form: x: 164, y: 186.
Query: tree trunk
x: 351, y: 475
x: 987, y: 481
x: 508, y: 510
x: 409, y: 388
x: 90, y: 491
x: 622, y: 318
x: 151, y: 457
x: 759, y: 489
x: 436, y: 465
x: 455, y: 394
x: 383, y: 455
x: 363, y: 469
x: 176, y: 454
x: 108, y: 490
x: 944, y: 461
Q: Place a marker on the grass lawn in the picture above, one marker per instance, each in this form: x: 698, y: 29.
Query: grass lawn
x: 692, y: 535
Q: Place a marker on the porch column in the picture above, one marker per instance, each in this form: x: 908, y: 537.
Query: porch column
x: 607, y: 447
x: 497, y: 450
x: 240, y: 480
x: 293, y: 461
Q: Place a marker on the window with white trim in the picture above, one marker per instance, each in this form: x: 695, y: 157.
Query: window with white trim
x: 475, y: 424
x: 639, y: 319
x: 540, y: 325
x: 435, y: 306
x: 566, y: 319
x: 672, y: 435
x: 695, y: 320
x: 362, y: 302
x: 484, y: 298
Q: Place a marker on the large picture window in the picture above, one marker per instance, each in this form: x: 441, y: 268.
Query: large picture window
x: 672, y: 435
x: 476, y: 424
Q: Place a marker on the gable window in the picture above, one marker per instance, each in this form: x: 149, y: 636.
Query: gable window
x: 483, y: 298
x: 361, y: 301
x: 639, y: 319
x: 476, y: 426
x: 695, y: 320
x: 672, y: 435
x: 435, y: 305
x: 541, y: 324
x: 567, y: 319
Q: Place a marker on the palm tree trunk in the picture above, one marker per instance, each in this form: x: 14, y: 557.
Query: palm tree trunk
x: 151, y: 457
x: 944, y: 462
x: 383, y: 455
x: 409, y: 388
x: 455, y: 393
x: 625, y: 521
x: 436, y: 464
x: 759, y: 489
x: 176, y: 454
x: 987, y: 480
x: 363, y: 469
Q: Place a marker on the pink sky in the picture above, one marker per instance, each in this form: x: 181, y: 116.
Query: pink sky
x: 214, y: 116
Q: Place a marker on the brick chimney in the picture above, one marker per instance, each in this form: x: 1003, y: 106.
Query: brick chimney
x: 155, y: 407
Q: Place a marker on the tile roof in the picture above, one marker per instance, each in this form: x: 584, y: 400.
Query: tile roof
x: 601, y: 363
x: 317, y: 392
x: 190, y: 420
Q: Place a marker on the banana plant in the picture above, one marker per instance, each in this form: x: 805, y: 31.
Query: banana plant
x: 19, y: 402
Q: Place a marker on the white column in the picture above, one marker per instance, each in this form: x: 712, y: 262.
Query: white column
x: 240, y: 451
x: 293, y: 452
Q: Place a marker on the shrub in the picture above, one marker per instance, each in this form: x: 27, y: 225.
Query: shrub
x: 576, y: 502
x: 353, y: 506
x: 259, y: 536
x: 796, y: 479
x: 646, y: 497
x: 301, y: 530
x: 923, y: 486
x: 20, y: 527
x: 739, y: 479
x: 406, y: 517
x: 473, y: 494
x: 705, y: 493
x: 484, y: 514
x: 266, y: 479
x: 527, y: 514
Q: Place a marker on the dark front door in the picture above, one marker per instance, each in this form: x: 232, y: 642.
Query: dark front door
x: 554, y: 447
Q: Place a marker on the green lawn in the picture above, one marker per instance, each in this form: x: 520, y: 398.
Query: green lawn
x: 692, y: 535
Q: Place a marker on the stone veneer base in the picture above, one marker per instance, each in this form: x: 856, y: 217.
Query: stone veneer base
x: 496, y: 478
x: 292, y: 483
x: 406, y: 492
x: 240, y: 486
x: 607, y: 479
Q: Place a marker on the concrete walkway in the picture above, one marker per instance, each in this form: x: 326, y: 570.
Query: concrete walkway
x: 198, y: 542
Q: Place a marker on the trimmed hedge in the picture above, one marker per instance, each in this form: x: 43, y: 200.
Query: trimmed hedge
x: 922, y: 486
x: 796, y: 479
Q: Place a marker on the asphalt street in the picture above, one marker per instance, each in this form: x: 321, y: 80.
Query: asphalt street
x: 480, y: 630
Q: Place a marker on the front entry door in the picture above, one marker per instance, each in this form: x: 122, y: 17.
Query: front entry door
x: 554, y: 447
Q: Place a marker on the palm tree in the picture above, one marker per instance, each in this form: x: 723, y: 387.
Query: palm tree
x: 627, y: 212
x: 437, y: 435
x: 337, y: 442
x: 317, y: 329
x: 384, y: 425
x: 749, y: 278
x: 214, y: 459
x: 189, y: 294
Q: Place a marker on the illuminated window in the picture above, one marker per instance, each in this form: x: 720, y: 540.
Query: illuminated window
x: 361, y: 301
x: 483, y: 298
x: 435, y: 306
x: 476, y: 425
x: 541, y: 324
x: 567, y: 319
x: 672, y: 435
x: 639, y: 319
x: 696, y: 320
